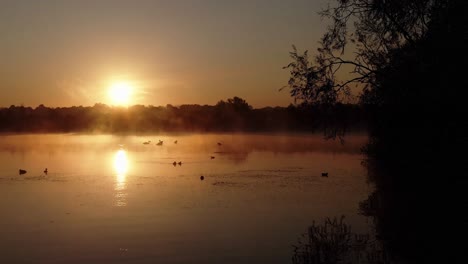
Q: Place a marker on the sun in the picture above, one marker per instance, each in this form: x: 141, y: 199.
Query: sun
x: 120, y: 93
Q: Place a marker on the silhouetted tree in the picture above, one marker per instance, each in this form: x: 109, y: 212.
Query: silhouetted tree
x: 403, y: 54
x: 379, y: 29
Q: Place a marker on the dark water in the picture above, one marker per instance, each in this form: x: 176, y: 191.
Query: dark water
x: 113, y: 199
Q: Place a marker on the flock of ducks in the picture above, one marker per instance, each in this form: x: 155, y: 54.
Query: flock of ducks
x: 21, y: 171
x: 175, y: 163
x: 160, y: 143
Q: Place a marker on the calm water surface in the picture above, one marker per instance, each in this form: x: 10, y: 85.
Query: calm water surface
x: 113, y: 199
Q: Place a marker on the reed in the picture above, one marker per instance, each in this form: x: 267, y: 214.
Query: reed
x: 333, y: 242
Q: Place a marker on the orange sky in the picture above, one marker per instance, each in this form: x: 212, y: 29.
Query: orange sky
x: 63, y: 53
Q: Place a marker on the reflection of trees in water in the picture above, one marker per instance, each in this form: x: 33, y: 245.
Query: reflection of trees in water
x: 291, y: 143
x: 333, y: 242
x: 236, y: 144
x: 235, y: 156
x: 238, y: 147
x: 409, y: 211
x: 405, y: 209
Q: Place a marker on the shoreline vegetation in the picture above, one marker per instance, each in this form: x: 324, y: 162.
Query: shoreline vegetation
x: 233, y: 115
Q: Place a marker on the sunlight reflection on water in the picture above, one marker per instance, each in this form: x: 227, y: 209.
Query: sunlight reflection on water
x: 121, y: 169
x: 105, y: 194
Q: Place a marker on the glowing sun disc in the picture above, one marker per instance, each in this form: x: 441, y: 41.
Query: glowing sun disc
x: 120, y: 92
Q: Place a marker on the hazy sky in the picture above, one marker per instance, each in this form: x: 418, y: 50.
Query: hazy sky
x: 63, y: 53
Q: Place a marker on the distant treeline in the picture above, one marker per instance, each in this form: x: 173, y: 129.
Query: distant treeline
x: 233, y: 115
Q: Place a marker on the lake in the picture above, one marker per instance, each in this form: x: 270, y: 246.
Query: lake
x: 113, y: 199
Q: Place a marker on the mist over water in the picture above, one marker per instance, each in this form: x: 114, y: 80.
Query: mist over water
x: 113, y: 199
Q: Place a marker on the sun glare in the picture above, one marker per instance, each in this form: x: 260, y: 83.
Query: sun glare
x: 119, y: 93
x: 121, y: 165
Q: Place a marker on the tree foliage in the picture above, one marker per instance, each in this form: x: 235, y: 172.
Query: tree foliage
x: 233, y: 115
x: 376, y: 31
x: 408, y: 57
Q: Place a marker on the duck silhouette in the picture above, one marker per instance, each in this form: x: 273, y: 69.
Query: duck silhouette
x: 21, y: 171
x: 46, y: 171
x: 324, y: 174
